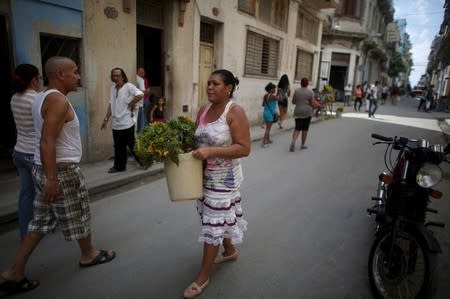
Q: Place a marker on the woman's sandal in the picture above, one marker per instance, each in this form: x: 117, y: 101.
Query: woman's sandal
x: 221, y: 258
x: 193, y: 290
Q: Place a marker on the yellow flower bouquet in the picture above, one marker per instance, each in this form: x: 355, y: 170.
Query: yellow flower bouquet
x: 172, y: 143
x: 159, y: 142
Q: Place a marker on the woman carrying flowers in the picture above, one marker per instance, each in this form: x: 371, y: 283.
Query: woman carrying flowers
x: 222, y: 137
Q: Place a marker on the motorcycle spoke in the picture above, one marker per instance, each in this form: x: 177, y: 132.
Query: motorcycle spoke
x: 400, y: 266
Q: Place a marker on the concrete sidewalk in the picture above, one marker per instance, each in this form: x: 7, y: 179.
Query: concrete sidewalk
x: 99, y: 181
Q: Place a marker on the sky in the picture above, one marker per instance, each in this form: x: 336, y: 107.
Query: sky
x: 423, y: 19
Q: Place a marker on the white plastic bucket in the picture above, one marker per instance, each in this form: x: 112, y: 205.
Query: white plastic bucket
x: 185, y: 181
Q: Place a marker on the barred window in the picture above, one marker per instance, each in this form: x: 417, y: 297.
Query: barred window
x: 303, y: 68
x: 206, y: 32
x: 261, y: 55
x: 307, y: 27
x: 52, y: 45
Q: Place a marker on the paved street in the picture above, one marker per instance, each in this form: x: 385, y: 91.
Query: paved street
x: 308, y: 233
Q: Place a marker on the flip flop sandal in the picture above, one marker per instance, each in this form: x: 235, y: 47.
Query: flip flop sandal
x: 101, y: 258
x: 14, y: 287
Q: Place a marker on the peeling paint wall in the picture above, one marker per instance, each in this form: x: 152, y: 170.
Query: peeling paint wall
x: 109, y: 42
x: 230, y: 53
x: 64, y: 18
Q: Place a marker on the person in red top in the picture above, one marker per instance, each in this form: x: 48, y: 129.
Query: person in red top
x: 358, y: 97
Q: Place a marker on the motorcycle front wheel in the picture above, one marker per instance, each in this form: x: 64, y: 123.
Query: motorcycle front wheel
x: 400, y: 267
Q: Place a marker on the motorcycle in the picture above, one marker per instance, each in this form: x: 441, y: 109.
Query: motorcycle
x: 403, y: 256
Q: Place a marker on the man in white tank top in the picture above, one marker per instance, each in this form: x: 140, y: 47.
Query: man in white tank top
x: 61, y: 195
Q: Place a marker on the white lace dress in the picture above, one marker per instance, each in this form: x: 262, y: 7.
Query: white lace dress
x: 220, y: 210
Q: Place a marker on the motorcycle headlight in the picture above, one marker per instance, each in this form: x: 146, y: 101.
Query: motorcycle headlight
x: 429, y: 175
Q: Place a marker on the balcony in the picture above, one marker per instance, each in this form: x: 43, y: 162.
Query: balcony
x: 320, y: 4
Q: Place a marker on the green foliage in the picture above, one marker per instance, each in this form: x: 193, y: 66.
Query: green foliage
x: 162, y: 141
x: 396, y: 66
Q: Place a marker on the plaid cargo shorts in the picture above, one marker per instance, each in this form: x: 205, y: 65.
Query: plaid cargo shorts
x: 70, y: 210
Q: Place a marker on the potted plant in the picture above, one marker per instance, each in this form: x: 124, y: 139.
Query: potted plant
x: 172, y: 143
x: 339, y: 111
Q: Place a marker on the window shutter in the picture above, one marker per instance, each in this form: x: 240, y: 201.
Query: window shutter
x: 340, y: 8
x: 247, y: 6
x: 358, y: 8
x: 262, y: 55
x: 303, y: 65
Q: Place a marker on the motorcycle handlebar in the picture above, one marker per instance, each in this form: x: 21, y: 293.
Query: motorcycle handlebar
x: 383, y: 138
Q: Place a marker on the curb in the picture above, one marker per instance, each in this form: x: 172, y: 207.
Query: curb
x: 153, y: 174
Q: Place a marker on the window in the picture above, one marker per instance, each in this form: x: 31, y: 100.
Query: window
x: 303, y: 68
x: 52, y: 45
x: 307, y: 27
x: 273, y: 12
x: 248, y: 6
x: 349, y: 8
x: 262, y: 55
x: 207, y: 33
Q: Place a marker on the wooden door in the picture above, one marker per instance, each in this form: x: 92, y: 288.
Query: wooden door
x: 206, y: 67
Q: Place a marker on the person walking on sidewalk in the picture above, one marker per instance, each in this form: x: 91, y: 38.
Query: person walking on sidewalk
x: 123, y: 99
x: 284, y: 93
x: 366, y: 94
x: 374, y: 95
x: 347, y: 94
x: 358, y: 97
x: 384, y: 93
x: 302, y: 100
x: 222, y: 137
x: 61, y: 194
x: 395, y: 95
x: 270, y: 115
x: 26, y: 83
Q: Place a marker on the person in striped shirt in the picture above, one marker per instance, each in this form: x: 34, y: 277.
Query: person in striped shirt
x: 26, y: 83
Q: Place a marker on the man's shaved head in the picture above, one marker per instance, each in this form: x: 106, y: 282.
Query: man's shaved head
x: 62, y: 74
x: 56, y: 64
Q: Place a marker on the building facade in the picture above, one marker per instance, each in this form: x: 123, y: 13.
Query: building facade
x: 354, y: 47
x: 438, y: 68
x: 178, y: 42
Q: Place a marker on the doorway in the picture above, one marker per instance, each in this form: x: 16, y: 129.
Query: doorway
x: 6, y: 117
x: 149, y: 55
x: 337, y: 80
x: 206, y: 59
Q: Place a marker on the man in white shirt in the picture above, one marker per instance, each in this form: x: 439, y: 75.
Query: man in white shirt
x: 374, y: 95
x: 143, y: 106
x: 122, y: 104
x: 347, y: 94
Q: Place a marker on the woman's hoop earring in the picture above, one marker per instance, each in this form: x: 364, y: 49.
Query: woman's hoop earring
x: 229, y: 93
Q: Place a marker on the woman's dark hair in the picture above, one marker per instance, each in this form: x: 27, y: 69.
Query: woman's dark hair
x: 23, y: 75
x: 122, y: 73
x: 228, y: 78
x: 304, y: 82
x: 159, y: 98
x: 269, y: 87
x: 284, y: 82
